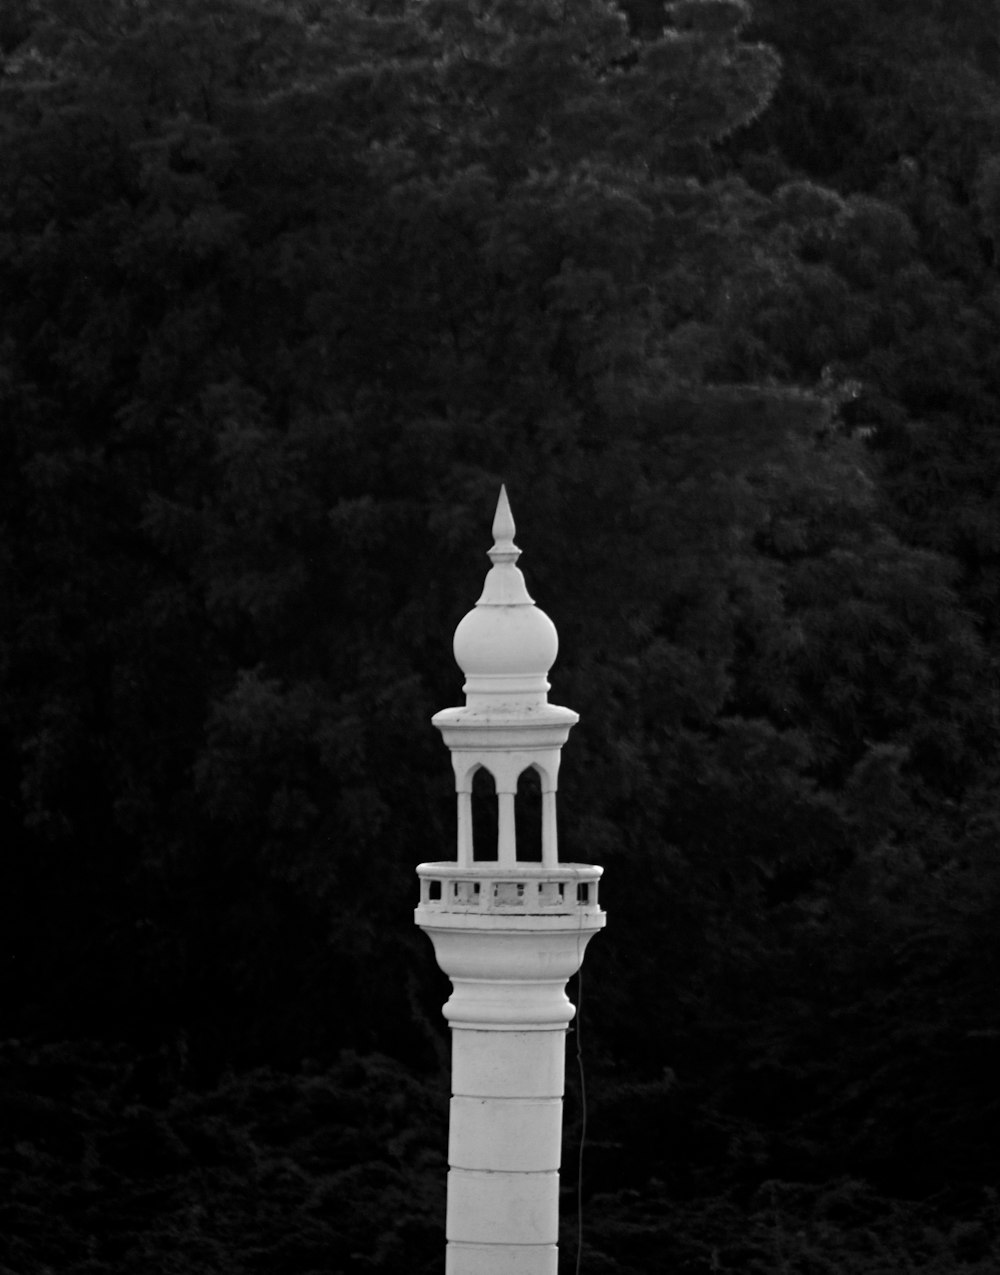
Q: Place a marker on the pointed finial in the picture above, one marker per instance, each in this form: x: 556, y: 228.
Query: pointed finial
x: 504, y: 582
x: 505, y: 645
x: 504, y: 549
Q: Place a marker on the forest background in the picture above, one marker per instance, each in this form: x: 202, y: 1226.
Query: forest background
x: 288, y: 288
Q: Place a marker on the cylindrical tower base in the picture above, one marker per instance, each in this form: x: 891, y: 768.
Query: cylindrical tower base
x: 509, y: 1014
x: 504, y: 1143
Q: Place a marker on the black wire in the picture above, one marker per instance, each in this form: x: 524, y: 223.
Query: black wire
x: 583, y: 1119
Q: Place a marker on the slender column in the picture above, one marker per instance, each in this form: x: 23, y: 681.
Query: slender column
x: 550, y: 831
x: 465, y: 828
x: 506, y: 834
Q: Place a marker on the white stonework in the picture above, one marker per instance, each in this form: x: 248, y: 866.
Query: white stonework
x: 509, y: 934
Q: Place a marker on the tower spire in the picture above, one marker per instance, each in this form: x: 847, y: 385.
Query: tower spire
x: 505, y: 645
x: 504, y: 585
x: 509, y: 934
x: 504, y: 549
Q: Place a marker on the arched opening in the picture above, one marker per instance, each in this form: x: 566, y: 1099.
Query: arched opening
x: 484, y: 816
x: 528, y: 816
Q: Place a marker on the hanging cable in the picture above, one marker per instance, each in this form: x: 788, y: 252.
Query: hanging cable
x: 583, y: 1119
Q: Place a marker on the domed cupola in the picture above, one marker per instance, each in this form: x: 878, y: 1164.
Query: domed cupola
x: 506, y: 645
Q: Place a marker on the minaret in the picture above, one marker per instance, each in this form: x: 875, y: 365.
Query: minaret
x: 509, y: 934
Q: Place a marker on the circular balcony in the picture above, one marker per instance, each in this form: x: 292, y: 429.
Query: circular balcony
x: 524, y: 889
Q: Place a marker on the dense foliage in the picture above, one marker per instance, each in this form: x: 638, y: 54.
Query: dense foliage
x: 288, y: 288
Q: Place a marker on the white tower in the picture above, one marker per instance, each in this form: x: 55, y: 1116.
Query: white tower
x: 509, y: 934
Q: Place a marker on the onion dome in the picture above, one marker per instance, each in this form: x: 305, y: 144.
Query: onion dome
x: 506, y: 645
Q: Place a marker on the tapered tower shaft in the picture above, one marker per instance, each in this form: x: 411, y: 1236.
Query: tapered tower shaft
x: 509, y: 934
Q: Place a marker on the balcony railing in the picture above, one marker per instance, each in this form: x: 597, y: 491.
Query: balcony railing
x: 526, y: 889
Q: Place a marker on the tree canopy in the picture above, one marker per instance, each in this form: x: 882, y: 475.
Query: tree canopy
x: 289, y: 288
